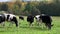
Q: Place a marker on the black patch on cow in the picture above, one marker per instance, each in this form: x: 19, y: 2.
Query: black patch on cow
x: 30, y: 19
x: 2, y: 18
x: 8, y: 17
x: 21, y: 17
x: 15, y: 20
x: 47, y: 20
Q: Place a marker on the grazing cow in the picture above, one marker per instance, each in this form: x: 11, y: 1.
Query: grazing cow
x: 2, y: 19
x: 46, y: 19
x: 12, y: 18
x: 21, y: 17
x: 30, y: 19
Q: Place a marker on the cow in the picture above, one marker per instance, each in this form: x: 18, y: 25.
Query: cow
x: 12, y: 18
x: 46, y: 19
x: 30, y: 19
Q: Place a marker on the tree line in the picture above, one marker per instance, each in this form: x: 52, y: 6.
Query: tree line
x: 34, y: 8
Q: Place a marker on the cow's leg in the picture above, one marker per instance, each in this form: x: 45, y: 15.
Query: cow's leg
x: 48, y: 25
x: 40, y: 22
x: 30, y: 24
x: 11, y: 24
x: 3, y: 24
x: 15, y: 20
x: 37, y: 22
x: 16, y: 24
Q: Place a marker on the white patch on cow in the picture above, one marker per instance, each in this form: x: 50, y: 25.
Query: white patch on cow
x: 6, y: 15
x: 37, y: 16
x: 38, y: 20
x: 11, y: 16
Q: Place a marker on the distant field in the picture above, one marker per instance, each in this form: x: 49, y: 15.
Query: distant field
x: 25, y: 29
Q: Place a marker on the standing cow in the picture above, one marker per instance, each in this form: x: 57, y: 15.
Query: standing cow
x: 30, y: 19
x: 12, y: 18
x: 46, y: 19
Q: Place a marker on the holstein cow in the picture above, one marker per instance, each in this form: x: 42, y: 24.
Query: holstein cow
x: 46, y: 19
x: 30, y: 19
x: 12, y: 18
x: 21, y: 17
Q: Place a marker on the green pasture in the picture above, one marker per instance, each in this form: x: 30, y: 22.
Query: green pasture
x: 35, y: 29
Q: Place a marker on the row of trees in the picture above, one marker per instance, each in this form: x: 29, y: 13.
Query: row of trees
x: 34, y: 8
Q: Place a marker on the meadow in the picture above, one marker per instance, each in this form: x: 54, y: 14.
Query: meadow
x: 25, y: 29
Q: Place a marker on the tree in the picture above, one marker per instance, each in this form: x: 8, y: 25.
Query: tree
x: 4, y: 7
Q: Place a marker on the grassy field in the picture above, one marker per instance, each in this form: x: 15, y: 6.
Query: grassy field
x: 25, y: 29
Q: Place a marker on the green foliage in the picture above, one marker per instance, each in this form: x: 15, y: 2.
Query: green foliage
x: 34, y: 8
x: 31, y: 8
x: 28, y: 7
x: 16, y: 9
x: 51, y: 9
x: 4, y: 7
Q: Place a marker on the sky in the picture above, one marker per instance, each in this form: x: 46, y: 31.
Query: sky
x: 13, y: 0
x: 5, y: 0
x: 33, y: 0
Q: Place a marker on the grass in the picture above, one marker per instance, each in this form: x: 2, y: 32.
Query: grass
x: 25, y: 29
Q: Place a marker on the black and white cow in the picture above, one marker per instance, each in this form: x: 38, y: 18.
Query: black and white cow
x: 12, y: 18
x: 46, y: 19
x: 21, y: 17
x: 30, y: 19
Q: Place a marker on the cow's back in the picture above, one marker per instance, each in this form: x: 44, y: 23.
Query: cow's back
x: 30, y: 18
